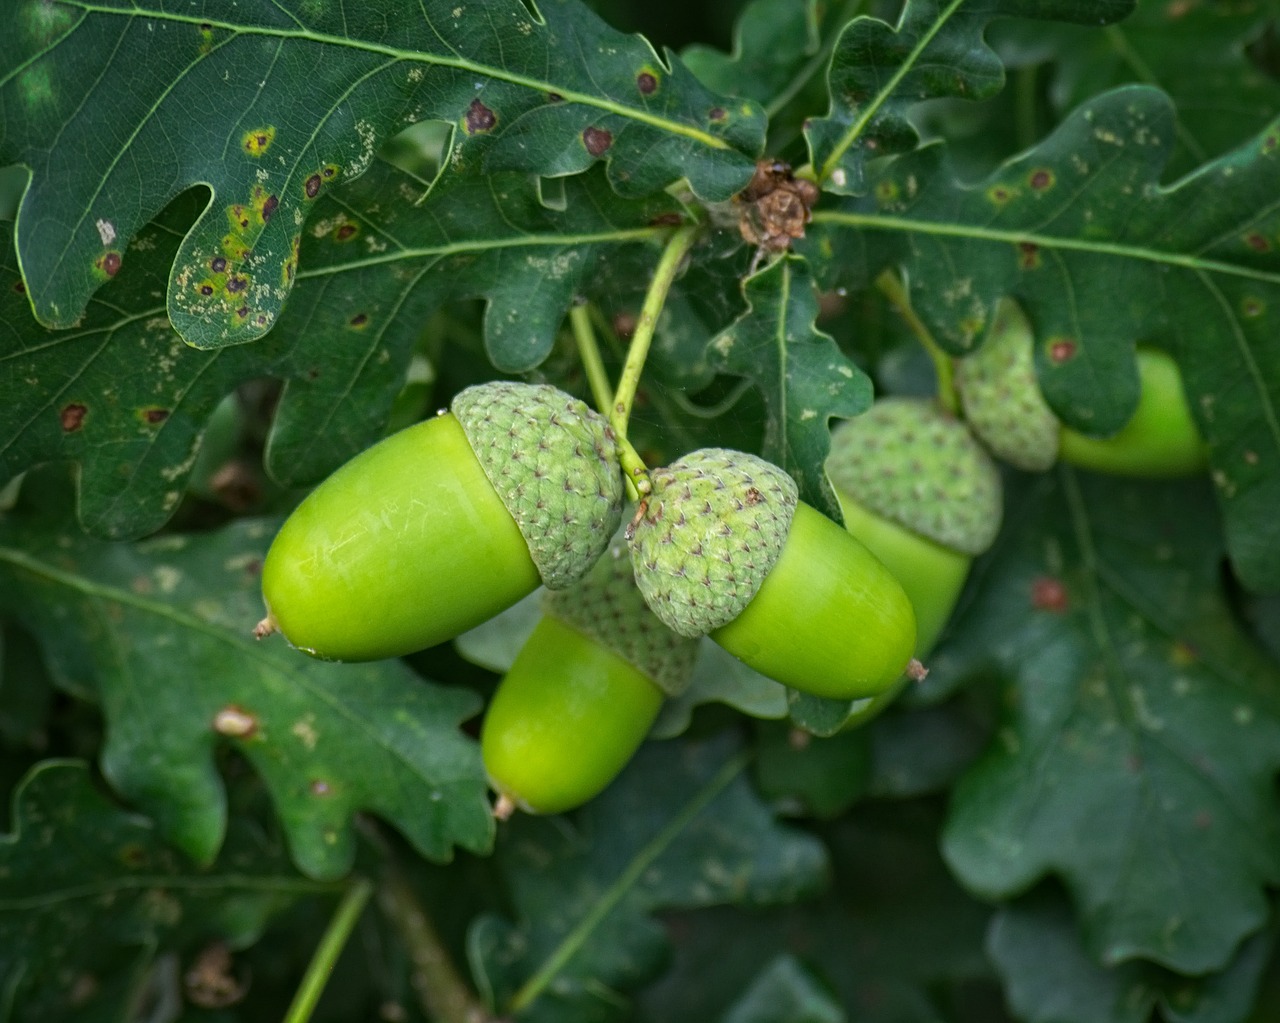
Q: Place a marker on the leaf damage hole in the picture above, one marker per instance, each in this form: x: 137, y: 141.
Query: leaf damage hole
x: 479, y: 118
x: 72, y: 417
x: 597, y: 140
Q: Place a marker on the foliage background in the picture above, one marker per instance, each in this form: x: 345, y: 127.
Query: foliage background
x: 1074, y: 820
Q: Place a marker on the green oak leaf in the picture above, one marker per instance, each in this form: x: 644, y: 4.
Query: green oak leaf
x: 773, y: 42
x: 269, y: 104
x: 88, y: 892
x: 1139, y: 739
x: 583, y: 893
x: 125, y: 399
x: 785, y: 990
x: 936, y: 49
x: 1200, y: 54
x: 892, y: 936
x: 163, y: 641
x: 1049, y: 979
x: 1103, y: 257
x: 804, y: 377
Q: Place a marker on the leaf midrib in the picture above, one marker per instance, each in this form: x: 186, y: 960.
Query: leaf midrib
x: 568, y: 95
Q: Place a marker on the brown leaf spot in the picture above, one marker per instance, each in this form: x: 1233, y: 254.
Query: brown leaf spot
x: 19, y: 287
x: 999, y: 194
x: 206, y: 290
x: 132, y: 855
x: 258, y: 141
x: 479, y: 118
x: 1062, y: 350
x: 646, y: 83
x: 110, y: 264
x: 1041, y: 179
x: 597, y: 140
x: 1257, y: 242
x: 319, y: 787
x: 345, y: 232
x: 72, y: 417
x: 359, y: 320
x: 312, y: 187
x: 237, y: 284
x: 1028, y: 256
x: 1252, y: 307
x: 555, y: 97
x: 716, y: 114
x: 218, y: 264
x: 666, y: 220
x: 1049, y: 594
x: 154, y: 416
x: 243, y: 312
x: 269, y: 207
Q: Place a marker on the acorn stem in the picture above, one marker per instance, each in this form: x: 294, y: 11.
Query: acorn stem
x: 678, y: 246
x: 891, y: 288
x: 634, y: 470
x: 589, y: 352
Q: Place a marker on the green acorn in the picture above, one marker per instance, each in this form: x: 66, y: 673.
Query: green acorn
x: 444, y: 524
x: 1001, y: 397
x: 583, y: 692
x: 918, y: 489
x: 726, y: 549
x: 1002, y: 401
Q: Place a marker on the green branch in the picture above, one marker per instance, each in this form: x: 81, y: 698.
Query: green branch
x: 327, y: 952
x: 891, y: 287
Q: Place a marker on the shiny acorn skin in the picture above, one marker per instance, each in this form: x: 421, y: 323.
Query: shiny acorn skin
x: 564, y: 721
x: 402, y: 548
x: 1160, y: 441
x: 829, y: 619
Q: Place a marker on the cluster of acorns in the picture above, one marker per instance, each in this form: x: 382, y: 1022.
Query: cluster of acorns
x: 445, y: 524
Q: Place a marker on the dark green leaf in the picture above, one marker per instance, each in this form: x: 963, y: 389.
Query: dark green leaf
x: 88, y: 892
x: 375, y: 266
x: 803, y: 375
x: 1141, y: 733
x: 1049, y: 978
x: 582, y: 891
x: 772, y: 42
x: 892, y: 934
x: 1102, y: 257
x: 785, y: 990
x: 936, y: 49
x: 116, y: 108
x: 163, y: 641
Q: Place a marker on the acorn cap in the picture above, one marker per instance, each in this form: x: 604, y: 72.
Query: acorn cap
x: 715, y: 525
x: 607, y: 606
x: 1001, y: 396
x: 908, y: 461
x: 553, y: 462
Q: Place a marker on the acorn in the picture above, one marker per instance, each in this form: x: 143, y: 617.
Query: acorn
x: 444, y: 524
x: 921, y: 492
x: 725, y: 548
x: 1001, y: 397
x: 583, y: 692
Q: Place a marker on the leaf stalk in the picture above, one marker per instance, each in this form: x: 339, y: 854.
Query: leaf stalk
x: 326, y: 954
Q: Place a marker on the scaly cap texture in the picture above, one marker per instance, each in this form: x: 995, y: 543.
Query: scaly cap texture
x: 553, y: 462
x: 715, y: 526
x: 908, y: 461
x: 1001, y: 397
x: 607, y: 606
